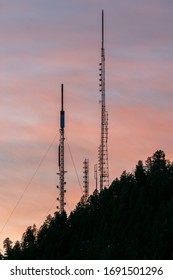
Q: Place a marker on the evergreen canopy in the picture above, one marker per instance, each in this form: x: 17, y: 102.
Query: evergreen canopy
x: 132, y: 219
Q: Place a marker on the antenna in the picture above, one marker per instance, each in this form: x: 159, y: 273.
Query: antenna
x: 86, y: 179
x: 95, y: 174
x: 102, y: 29
x: 103, y: 148
x: 61, y: 155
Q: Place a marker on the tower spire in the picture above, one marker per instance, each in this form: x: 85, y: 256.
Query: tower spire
x: 103, y: 148
x: 102, y: 29
x: 61, y: 155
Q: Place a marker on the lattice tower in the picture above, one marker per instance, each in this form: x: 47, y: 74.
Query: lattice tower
x: 61, y: 156
x: 103, y: 148
x: 86, y: 179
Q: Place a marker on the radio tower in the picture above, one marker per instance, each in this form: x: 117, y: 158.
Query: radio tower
x: 86, y: 179
x: 95, y: 174
x: 103, y: 148
x: 61, y: 156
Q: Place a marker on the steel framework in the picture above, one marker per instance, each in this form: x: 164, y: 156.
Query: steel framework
x: 103, y: 148
x: 86, y: 178
x: 61, y: 156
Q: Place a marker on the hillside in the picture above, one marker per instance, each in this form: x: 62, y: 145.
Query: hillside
x: 132, y: 219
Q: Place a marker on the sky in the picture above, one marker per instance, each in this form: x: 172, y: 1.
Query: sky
x: 44, y: 43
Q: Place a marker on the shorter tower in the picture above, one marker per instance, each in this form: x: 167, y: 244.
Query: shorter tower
x: 95, y: 176
x: 86, y: 179
x: 61, y: 155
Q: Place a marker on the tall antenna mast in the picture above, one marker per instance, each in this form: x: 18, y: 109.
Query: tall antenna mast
x: 61, y: 155
x: 103, y: 148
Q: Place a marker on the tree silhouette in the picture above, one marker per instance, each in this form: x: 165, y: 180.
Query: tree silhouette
x: 132, y: 219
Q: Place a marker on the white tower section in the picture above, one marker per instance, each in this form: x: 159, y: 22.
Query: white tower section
x: 61, y: 156
x: 86, y: 179
x: 103, y: 148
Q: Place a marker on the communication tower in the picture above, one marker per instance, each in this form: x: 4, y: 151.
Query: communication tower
x: 86, y: 178
x: 95, y: 176
x: 61, y: 155
x: 103, y: 148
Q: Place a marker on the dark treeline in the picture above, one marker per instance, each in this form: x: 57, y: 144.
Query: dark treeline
x: 132, y: 219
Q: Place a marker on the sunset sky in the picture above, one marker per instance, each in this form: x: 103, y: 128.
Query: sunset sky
x: 44, y: 43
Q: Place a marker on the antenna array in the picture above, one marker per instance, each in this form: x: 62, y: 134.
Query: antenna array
x: 103, y: 147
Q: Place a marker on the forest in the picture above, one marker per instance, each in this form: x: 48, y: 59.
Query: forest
x: 132, y: 219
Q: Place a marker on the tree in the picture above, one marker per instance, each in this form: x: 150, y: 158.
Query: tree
x: 132, y: 219
x: 7, y: 245
x: 140, y: 174
x: 17, y: 251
